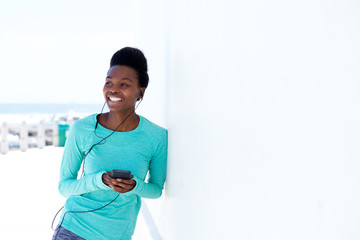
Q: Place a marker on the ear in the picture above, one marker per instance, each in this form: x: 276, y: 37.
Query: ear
x: 141, y: 93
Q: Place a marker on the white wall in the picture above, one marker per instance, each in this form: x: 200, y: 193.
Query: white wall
x: 262, y: 106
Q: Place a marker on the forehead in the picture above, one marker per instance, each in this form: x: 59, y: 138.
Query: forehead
x: 121, y: 71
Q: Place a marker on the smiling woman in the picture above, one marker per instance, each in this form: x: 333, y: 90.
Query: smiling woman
x: 121, y: 91
x: 119, y: 139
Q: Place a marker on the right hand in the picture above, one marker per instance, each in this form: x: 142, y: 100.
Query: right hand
x: 119, y: 185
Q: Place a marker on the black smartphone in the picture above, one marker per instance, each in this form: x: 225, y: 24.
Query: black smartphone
x: 121, y: 174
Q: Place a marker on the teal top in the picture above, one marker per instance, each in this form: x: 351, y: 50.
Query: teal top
x: 141, y: 151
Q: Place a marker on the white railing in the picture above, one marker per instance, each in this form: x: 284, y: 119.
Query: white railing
x: 24, y: 136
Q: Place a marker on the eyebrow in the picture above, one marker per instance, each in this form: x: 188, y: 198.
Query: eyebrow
x: 125, y: 78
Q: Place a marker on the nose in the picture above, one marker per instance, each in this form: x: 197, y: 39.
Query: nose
x: 114, y: 89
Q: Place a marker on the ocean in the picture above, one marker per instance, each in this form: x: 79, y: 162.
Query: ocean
x: 48, y: 108
x: 15, y: 113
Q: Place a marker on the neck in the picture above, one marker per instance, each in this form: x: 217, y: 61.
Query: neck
x: 111, y: 120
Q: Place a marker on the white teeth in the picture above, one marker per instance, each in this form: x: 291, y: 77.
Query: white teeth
x: 115, y: 99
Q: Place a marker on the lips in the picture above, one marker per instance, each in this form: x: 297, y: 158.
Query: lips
x: 115, y: 99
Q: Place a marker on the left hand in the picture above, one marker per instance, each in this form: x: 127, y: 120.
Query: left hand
x: 119, y: 185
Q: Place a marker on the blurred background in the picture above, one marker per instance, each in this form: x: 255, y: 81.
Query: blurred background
x: 261, y: 100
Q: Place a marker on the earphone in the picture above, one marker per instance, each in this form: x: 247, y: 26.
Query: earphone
x: 141, y: 94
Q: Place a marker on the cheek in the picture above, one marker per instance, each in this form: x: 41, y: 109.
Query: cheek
x: 105, y: 90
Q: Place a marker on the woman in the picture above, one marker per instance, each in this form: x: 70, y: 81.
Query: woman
x: 99, y: 206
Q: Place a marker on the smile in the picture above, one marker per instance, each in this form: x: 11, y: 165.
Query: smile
x: 115, y: 99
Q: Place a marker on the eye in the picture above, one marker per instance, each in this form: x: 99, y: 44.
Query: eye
x: 124, y: 84
x: 107, y: 83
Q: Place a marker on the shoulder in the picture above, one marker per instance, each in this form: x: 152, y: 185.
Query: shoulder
x: 150, y: 126
x: 84, y: 124
x: 153, y: 130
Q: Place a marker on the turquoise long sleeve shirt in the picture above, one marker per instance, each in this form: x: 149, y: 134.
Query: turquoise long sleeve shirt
x: 142, y: 151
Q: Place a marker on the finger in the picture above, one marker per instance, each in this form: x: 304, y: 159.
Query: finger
x: 123, y: 180
x: 107, y: 176
x: 105, y: 179
x: 114, y: 181
x: 117, y: 183
x: 112, y: 184
x: 109, y: 180
x: 126, y: 179
x: 126, y: 186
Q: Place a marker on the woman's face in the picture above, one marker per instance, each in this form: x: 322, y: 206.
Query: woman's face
x: 121, y: 89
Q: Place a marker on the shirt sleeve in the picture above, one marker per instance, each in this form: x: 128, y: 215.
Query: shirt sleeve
x: 71, y: 163
x: 157, y: 174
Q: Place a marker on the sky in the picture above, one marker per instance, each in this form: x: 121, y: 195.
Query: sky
x: 59, y: 51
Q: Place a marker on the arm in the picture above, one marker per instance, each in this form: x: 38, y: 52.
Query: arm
x: 70, y: 166
x: 157, y: 174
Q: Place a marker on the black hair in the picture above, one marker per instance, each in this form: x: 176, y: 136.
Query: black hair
x: 134, y: 58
